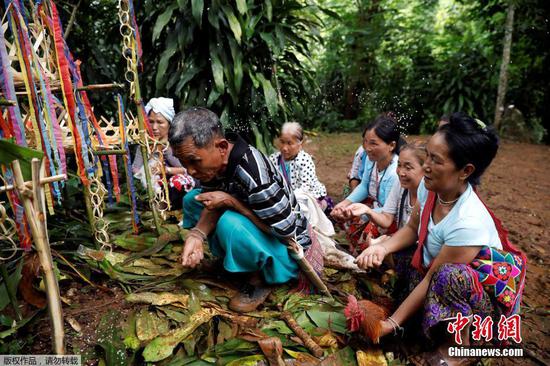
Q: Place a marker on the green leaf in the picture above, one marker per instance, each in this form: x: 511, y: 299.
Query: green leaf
x: 20, y: 324
x: 11, y: 152
x: 233, y: 23
x: 332, y: 320
x: 234, y: 345
x: 217, y: 69
x: 259, y: 140
x: 247, y: 361
x: 163, y: 346
x: 242, y: 7
x: 13, y: 282
x: 214, y: 95
x: 162, y: 20
x: 182, y: 4
x: 269, y: 10
x: 197, y: 7
x: 270, y: 95
x: 237, y: 65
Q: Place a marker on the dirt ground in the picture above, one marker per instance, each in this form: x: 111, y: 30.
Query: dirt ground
x: 516, y: 187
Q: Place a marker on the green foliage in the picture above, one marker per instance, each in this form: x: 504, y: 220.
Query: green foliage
x: 423, y: 58
x: 241, y: 59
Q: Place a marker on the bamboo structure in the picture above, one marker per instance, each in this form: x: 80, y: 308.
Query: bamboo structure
x: 33, y: 202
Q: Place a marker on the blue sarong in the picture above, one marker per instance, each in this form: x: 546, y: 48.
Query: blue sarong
x: 243, y: 246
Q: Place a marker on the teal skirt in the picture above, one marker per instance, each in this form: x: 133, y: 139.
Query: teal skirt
x: 243, y: 246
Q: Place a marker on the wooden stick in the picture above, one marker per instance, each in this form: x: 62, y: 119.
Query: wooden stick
x: 310, y: 344
x: 92, y: 87
x: 100, y: 87
x: 35, y: 220
x: 45, y: 180
x: 110, y: 152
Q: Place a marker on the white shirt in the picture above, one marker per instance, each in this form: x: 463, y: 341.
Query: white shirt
x: 302, y: 173
x: 467, y: 224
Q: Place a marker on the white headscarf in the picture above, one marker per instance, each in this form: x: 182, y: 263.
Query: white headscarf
x: 164, y: 106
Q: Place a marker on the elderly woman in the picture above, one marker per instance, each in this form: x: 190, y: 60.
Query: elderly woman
x: 297, y: 166
x: 246, y: 210
x: 456, y: 232
x: 160, y: 112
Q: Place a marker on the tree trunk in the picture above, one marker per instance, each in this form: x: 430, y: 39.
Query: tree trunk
x: 503, y: 78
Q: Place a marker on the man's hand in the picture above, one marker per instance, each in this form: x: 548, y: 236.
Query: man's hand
x: 216, y: 200
x: 193, y: 251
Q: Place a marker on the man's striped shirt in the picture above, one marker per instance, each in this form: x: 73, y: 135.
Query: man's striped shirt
x: 252, y: 179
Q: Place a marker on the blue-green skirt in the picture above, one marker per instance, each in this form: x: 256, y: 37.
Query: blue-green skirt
x: 243, y: 246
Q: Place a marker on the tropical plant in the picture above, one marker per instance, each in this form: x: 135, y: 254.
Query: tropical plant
x: 243, y: 59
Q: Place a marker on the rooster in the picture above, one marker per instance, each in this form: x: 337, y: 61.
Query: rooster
x: 365, y: 316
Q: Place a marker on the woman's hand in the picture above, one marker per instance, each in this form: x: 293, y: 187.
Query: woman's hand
x: 356, y: 210
x: 338, y: 212
x: 216, y: 200
x: 371, y: 257
x: 193, y: 251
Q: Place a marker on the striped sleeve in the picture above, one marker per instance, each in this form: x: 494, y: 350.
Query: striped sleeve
x: 267, y: 197
x: 271, y: 204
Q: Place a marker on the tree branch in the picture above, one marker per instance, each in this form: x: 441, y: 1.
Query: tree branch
x: 71, y: 20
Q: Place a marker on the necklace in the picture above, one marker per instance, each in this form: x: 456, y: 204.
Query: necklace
x: 446, y: 203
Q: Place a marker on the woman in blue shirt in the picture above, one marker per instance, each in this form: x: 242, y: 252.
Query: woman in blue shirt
x: 458, y: 226
x: 382, y: 140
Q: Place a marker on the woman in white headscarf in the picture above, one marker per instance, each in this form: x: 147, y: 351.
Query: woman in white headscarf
x: 160, y: 112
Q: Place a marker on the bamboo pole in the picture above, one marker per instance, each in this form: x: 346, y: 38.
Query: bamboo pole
x: 45, y: 180
x: 36, y: 220
x: 145, y: 154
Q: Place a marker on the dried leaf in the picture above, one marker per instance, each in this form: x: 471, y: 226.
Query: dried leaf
x: 29, y: 274
x: 74, y: 324
x: 163, y: 346
x: 302, y: 358
x: 327, y: 340
x: 174, y: 314
x: 159, y: 299
x: 371, y: 357
x: 149, y: 325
